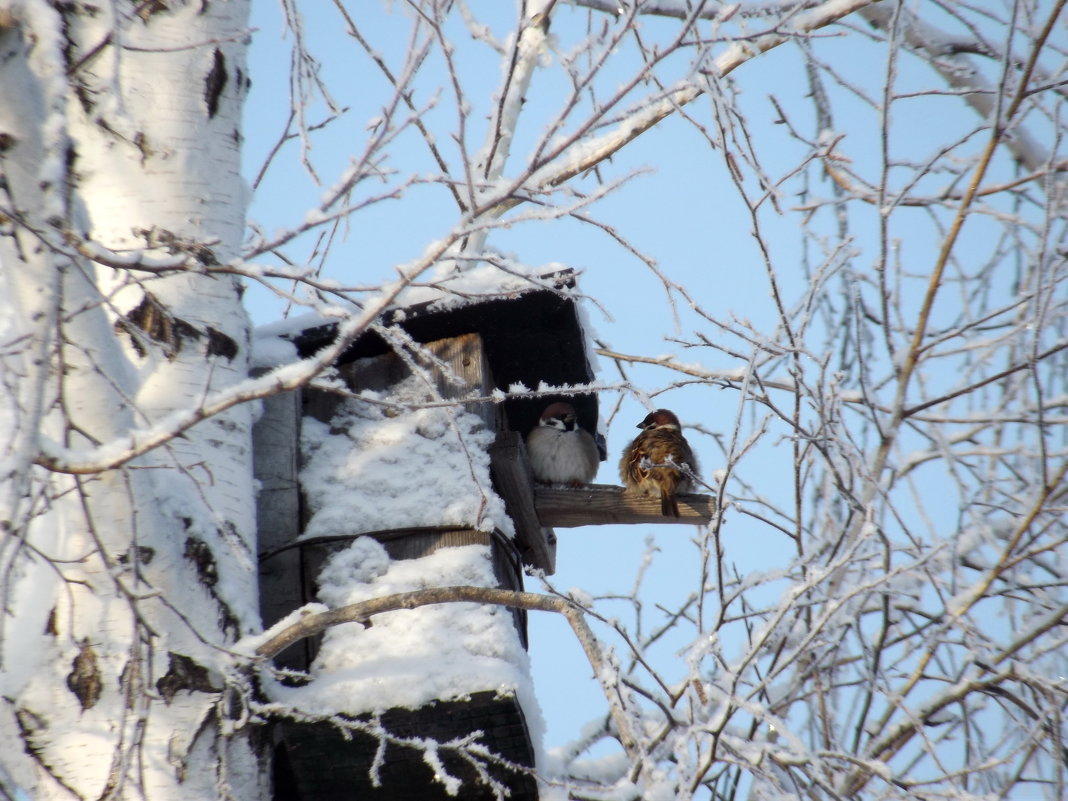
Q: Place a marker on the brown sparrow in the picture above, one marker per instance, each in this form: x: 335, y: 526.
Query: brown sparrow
x: 560, y: 451
x: 656, y: 461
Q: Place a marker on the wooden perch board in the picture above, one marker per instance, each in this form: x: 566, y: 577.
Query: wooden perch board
x: 600, y: 504
x: 514, y: 483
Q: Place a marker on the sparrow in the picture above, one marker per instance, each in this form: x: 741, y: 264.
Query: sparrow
x: 654, y: 462
x: 560, y: 451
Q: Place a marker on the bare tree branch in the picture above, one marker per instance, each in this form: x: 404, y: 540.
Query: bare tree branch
x: 316, y: 622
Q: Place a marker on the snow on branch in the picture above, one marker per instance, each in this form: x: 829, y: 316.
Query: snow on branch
x: 138, y: 442
x: 952, y: 61
x: 680, y: 9
x: 315, y: 622
x: 587, y: 154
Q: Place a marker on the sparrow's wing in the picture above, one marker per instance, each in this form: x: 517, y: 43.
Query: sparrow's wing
x: 591, y: 454
x: 630, y: 469
x: 602, y: 446
x: 689, y: 457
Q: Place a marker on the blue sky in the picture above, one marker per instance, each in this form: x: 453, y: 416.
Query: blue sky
x: 680, y: 208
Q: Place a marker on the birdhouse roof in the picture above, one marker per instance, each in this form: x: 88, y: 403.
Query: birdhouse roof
x: 532, y: 337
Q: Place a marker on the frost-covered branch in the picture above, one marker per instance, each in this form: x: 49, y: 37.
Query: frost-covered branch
x: 120, y: 451
x: 954, y: 63
x: 562, y: 166
x: 315, y: 622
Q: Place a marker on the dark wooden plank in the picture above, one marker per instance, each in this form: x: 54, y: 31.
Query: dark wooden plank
x: 514, y: 483
x: 275, y: 438
x: 600, y: 504
x: 317, y: 761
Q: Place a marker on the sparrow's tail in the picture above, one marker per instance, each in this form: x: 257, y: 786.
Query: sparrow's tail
x: 669, y: 506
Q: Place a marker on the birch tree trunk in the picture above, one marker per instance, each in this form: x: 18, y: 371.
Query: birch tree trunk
x: 122, y: 579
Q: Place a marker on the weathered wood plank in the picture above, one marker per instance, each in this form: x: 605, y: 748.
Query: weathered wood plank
x: 322, y: 762
x: 600, y: 504
x: 274, y: 464
x: 275, y: 438
x: 466, y: 357
x: 457, y: 366
x: 514, y: 483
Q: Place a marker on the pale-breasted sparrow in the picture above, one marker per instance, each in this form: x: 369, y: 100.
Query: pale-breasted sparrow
x: 561, y: 452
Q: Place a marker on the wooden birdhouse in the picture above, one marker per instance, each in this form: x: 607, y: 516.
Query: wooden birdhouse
x: 476, y: 356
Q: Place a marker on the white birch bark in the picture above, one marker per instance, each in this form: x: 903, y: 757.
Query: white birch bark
x: 122, y: 587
